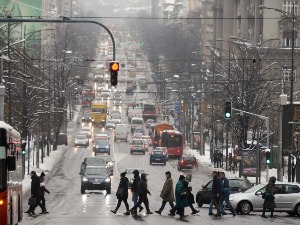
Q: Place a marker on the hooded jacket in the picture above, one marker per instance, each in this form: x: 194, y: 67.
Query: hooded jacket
x: 135, y: 183
x: 35, y: 186
x: 123, y: 187
x: 142, y: 186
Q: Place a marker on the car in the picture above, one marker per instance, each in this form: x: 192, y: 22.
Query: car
x: 86, y: 131
x: 105, y: 94
x: 117, y: 94
x: 81, y: 140
x: 98, y: 78
x: 147, y: 139
x: 187, y: 162
x: 101, y: 136
x: 86, y: 117
x: 115, y: 114
x: 92, y: 161
x: 95, y: 178
x: 116, y: 121
x: 164, y: 149
x: 287, y: 199
x: 203, y: 196
x: 110, y: 125
x: 137, y: 145
x: 101, y: 146
x: 130, y: 175
x: 100, y: 87
x: 117, y: 102
x: 129, y: 90
x: 62, y: 139
x: 149, y: 122
x: 138, y: 130
x: 109, y: 163
x: 137, y: 136
x: 158, y: 156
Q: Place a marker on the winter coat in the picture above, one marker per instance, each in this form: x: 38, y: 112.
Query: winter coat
x: 167, y: 193
x: 135, y: 183
x: 269, y: 202
x: 181, y: 201
x: 216, y: 187
x: 225, y: 186
x: 35, y: 186
x: 142, y: 188
x: 122, y: 191
x: 43, y: 188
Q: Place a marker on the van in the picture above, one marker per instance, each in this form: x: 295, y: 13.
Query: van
x: 137, y: 123
x: 115, y: 115
x: 62, y: 139
x: 121, y: 132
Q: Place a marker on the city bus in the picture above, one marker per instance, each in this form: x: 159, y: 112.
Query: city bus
x: 173, y: 141
x: 149, y: 110
x: 10, y: 175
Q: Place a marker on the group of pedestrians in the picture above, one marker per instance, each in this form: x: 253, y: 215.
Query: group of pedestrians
x: 38, y: 190
x: 218, y: 157
x: 139, y: 189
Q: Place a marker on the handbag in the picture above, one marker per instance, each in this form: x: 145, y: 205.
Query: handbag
x: 32, y: 201
x: 184, y: 193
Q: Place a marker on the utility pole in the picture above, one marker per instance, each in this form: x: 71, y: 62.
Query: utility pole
x: 9, y: 77
x: 2, y: 93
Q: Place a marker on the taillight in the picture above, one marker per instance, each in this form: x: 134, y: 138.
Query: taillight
x: 182, y: 161
x: 155, y: 142
x: 130, y: 146
x: 1, y: 202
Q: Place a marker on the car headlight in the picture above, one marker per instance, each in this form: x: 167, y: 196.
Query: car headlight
x: 93, y: 120
x: 85, y: 179
x: 107, y: 180
x: 110, y: 164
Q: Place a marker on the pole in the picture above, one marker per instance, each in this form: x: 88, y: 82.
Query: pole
x: 9, y: 77
x: 257, y: 152
x: 28, y: 150
x: 2, y: 93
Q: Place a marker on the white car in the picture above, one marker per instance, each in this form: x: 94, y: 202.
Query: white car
x: 287, y: 199
x: 102, y: 136
x: 149, y: 122
x: 110, y: 125
x: 147, y: 139
x: 81, y: 140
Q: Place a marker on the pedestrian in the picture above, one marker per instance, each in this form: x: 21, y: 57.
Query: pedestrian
x: 181, y: 195
x: 191, y: 198
x: 167, y: 193
x: 226, y: 194
x: 216, y: 193
x: 43, y: 190
x: 35, y: 193
x: 122, y: 194
x: 134, y: 188
x: 230, y: 161
x: 142, y: 191
x: 215, y: 157
x: 269, y: 202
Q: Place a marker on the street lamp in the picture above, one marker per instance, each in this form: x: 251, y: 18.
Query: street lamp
x: 288, y: 15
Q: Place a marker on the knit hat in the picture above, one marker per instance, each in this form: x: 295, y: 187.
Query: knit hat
x: 43, y: 174
x: 136, y: 172
x: 181, y: 177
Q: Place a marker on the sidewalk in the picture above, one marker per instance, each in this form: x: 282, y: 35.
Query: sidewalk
x: 205, y: 161
x: 51, y: 162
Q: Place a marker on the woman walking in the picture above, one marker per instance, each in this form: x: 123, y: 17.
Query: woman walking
x: 122, y: 194
x: 269, y: 202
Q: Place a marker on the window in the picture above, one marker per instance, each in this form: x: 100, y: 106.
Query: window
x: 288, y: 7
x: 289, y: 189
x: 287, y: 74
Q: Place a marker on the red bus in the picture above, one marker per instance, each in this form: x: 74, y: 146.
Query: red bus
x: 10, y: 175
x: 149, y: 110
x: 173, y: 141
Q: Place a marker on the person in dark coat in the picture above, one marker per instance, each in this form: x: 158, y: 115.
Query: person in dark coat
x: 167, y: 193
x: 226, y: 194
x: 122, y: 194
x: 269, y: 202
x: 142, y: 191
x: 35, y: 193
x: 181, y: 198
x: 134, y: 188
x: 190, y: 198
x: 43, y: 190
x: 216, y: 193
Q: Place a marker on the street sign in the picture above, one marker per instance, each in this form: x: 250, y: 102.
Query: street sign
x: 176, y: 123
x: 177, y: 107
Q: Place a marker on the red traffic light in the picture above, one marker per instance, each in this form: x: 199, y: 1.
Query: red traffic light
x: 114, y: 66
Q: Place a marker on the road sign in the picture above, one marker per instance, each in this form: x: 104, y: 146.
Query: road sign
x: 176, y: 123
x: 177, y: 107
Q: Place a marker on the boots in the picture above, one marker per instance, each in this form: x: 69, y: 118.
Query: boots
x: 114, y: 211
x: 149, y: 212
x: 127, y: 213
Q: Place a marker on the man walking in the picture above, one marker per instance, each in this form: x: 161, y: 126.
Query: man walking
x: 226, y: 194
x: 122, y: 194
x: 134, y: 188
x: 216, y: 193
x: 43, y: 190
x: 167, y: 193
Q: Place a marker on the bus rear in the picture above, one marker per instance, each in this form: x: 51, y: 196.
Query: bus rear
x: 173, y: 141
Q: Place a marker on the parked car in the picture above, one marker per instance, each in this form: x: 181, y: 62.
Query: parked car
x: 149, y: 122
x: 137, y: 145
x: 287, y: 199
x: 187, y: 162
x: 95, y: 178
x: 236, y: 185
x: 101, y: 146
x: 158, y: 156
x: 130, y: 175
x: 109, y: 163
x: 62, y: 139
x: 81, y: 140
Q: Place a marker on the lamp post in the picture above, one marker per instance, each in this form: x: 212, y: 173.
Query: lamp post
x: 291, y: 136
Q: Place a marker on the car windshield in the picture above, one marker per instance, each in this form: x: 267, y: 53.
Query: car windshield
x: 101, y: 142
x: 137, y: 142
x: 137, y: 121
x: 94, y: 161
x: 255, y: 188
x: 106, y: 158
x: 86, y: 129
x: 157, y: 152
x: 96, y: 171
x: 189, y: 158
x: 150, y: 121
x: 80, y: 137
x: 160, y: 148
x: 146, y: 137
x: 138, y: 135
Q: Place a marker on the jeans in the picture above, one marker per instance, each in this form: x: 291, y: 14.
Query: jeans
x: 216, y: 203
x: 135, y: 198
x: 163, y: 204
x: 210, y: 209
x: 142, y: 199
x: 225, y: 197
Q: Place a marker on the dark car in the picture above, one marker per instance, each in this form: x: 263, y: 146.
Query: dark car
x: 87, y: 117
x: 92, y: 161
x: 101, y: 146
x: 187, y: 162
x: 95, y: 178
x: 129, y: 90
x: 236, y: 185
x: 62, y: 139
x: 158, y: 156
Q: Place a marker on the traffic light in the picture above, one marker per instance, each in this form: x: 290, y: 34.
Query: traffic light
x: 23, y: 146
x: 268, y: 158
x: 114, y: 68
x: 227, y: 110
x: 182, y: 106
